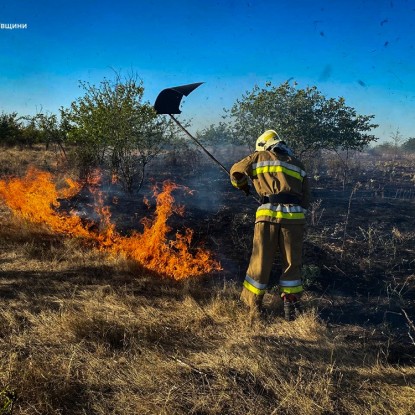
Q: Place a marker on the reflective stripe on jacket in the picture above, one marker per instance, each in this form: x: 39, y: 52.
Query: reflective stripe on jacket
x: 274, y: 173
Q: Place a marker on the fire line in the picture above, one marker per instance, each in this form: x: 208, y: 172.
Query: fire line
x: 35, y: 198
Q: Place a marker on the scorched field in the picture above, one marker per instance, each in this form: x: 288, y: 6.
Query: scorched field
x: 115, y: 303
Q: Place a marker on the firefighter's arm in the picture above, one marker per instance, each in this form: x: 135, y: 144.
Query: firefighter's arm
x: 238, y: 175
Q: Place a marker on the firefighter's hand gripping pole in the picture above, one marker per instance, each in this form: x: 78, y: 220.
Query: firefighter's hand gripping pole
x: 168, y: 102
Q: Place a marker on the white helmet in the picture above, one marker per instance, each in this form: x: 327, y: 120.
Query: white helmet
x: 266, y: 140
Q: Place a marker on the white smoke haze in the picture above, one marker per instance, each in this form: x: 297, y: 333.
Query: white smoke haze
x: 206, y: 189
x: 220, y: 216
x: 209, y: 184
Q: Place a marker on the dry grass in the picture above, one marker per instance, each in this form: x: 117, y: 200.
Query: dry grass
x: 82, y: 333
x: 85, y: 334
x: 16, y: 161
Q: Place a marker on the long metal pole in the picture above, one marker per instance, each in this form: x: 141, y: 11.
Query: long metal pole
x: 200, y: 145
x: 206, y: 151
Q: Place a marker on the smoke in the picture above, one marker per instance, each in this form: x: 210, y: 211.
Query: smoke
x: 210, y: 203
x: 36, y: 196
x: 210, y: 185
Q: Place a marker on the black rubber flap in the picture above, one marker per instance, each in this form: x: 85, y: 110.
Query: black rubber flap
x: 168, y: 100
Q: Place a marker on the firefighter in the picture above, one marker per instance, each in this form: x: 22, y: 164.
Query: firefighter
x: 281, y: 182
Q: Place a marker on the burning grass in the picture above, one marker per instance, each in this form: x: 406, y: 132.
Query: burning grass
x: 35, y: 198
x: 85, y: 332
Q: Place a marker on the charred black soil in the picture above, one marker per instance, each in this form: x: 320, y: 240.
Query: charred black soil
x: 358, y: 254
x: 109, y: 336
x: 359, y: 260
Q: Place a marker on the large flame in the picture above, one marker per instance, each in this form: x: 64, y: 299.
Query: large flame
x: 35, y: 198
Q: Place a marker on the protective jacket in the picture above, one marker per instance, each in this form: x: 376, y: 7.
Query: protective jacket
x: 281, y: 181
x: 275, y: 174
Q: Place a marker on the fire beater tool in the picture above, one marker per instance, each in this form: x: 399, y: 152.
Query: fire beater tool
x: 168, y: 103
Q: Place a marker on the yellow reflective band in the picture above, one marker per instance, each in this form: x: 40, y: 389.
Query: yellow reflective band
x: 253, y: 289
x: 279, y: 215
x: 292, y: 290
x: 275, y: 169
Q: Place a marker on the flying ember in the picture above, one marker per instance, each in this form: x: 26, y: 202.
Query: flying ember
x: 35, y: 198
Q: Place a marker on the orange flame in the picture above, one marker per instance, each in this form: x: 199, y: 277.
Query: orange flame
x: 158, y: 253
x: 35, y: 198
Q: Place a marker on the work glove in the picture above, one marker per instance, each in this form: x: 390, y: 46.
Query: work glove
x: 246, y: 189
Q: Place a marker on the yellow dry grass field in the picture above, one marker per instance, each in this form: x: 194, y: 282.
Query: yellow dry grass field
x: 82, y: 332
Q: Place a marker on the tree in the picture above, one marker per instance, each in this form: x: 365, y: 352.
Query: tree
x: 29, y: 132
x: 51, y: 130
x: 18, y: 130
x: 113, y: 128
x: 216, y: 135
x: 409, y: 145
x: 397, y: 141
x: 10, y: 129
x: 304, y: 117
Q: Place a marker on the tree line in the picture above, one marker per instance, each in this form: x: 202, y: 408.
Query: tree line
x: 110, y: 126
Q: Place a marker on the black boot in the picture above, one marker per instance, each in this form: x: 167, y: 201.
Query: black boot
x: 292, y: 306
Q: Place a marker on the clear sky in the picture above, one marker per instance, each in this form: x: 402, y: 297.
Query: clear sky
x: 362, y: 50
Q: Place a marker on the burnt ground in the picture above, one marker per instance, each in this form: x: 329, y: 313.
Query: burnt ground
x: 359, y: 260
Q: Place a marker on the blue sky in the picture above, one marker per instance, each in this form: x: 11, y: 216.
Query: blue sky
x: 361, y: 50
